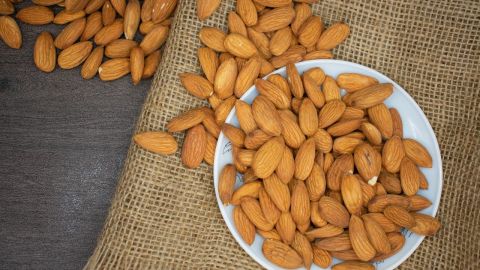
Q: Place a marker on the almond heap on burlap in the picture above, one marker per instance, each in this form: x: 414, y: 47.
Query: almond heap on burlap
x: 111, y: 24
x: 324, y: 175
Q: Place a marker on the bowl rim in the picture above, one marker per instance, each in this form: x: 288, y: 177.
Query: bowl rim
x: 317, y: 62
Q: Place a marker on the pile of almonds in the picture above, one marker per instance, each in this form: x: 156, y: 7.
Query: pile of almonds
x: 111, y: 24
x: 324, y: 175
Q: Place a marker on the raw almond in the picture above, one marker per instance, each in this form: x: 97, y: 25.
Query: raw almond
x: 35, y: 15
x: 273, y: 3
x: 292, y: 55
x: 352, y: 82
x: 324, y: 232
x: 239, y: 165
x: 417, y: 153
x: 245, y: 116
x: 328, y: 161
x: 270, y: 211
x: 308, y: 117
x: 333, y: 212
x: 372, y: 133
x: 302, y: 13
x: 280, y: 41
x: 331, y: 90
x: 346, y: 144
x: 209, y: 62
x: 244, y: 226
x: 376, y: 235
x: 186, y: 120
x: 108, y: 13
x: 251, y: 189
x: 321, y: 257
x: 194, y: 145
x: 45, y: 2
x: 137, y: 63
x: 235, y: 24
x: 379, y: 203
x: 409, y: 177
x: 109, y: 33
x: 70, y: 33
x: 315, y: 216
x: 268, y: 157
x: 323, y: 141
x: 390, y: 182
x: 305, y: 159
x: 352, y: 113
x: 425, y: 224
x: 154, y: 39
x: 222, y: 111
x: 392, y: 154
x: 261, y: 41
x: 44, y: 55
x: 332, y: 36
x: 151, y: 64
x: 304, y: 249
x: 92, y: 63
x: 74, y: 55
x: 368, y: 191
x: 344, y: 127
x: 273, y: 234
x: 10, y: 32
x: 368, y: 162
x: 225, y: 78
x: 319, y: 54
x: 234, y: 134
x: 313, y: 91
x: 196, y: 85
x: 92, y: 26
x: 380, y: 116
x: 291, y: 131
x: 266, y: 116
x: 162, y: 9
x: 281, y: 254
x: 330, y: 113
x: 278, y: 192
x: 246, y: 76
x: 352, y: 194
x: 239, y: 45
x: 286, y: 227
x: 387, y: 225
x: 210, y: 149
x: 75, y: 5
x: 397, y: 122
x: 157, y: 141
x: 418, y: 202
x: 114, y: 69
x: 399, y: 216
x: 247, y: 11
x: 286, y: 166
x: 342, y: 166
x: 251, y: 208
x: 360, y: 242
x: 64, y: 16
x: 294, y: 80
x: 370, y: 96
x: 353, y: 265
x: 256, y: 138
x: 310, y: 31
x: 300, y: 203
x: 205, y: 8
x: 213, y: 38
x: 131, y: 19
x: 275, y: 19
x: 316, y: 183
x: 119, y: 48
x: 397, y: 240
x: 93, y: 6
x: 6, y: 7
x: 336, y: 243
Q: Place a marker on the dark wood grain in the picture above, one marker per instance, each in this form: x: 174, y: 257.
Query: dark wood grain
x: 62, y: 144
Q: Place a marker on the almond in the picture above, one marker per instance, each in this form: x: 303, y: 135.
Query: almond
x: 244, y: 226
x: 372, y: 134
x: 92, y: 26
x: 331, y: 90
x: 316, y: 183
x: 239, y: 45
x: 196, y: 85
x: 397, y: 240
x: 64, y: 16
x: 324, y: 232
x: 44, y: 2
x: 108, y: 13
x: 270, y: 211
x: 131, y: 19
x: 370, y: 96
x: 379, y: 203
x: 247, y: 11
x: 245, y: 116
x: 210, y: 149
x: 239, y: 165
x: 235, y: 24
x: 330, y: 113
x: 304, y: 248
x: 296, y: 102
x: 222, y: 110
x: 44, y: 55
x: 154, y: 39
x: 210, y: 124
x: 352, y: 194
x: 75, y: 5
x: 399, y: 216
x: 305, y: 159
x: 300, y: 203
x: 213, y: 38
x: 409, y: 177
x: 278, y: 192
x: 193, y: 149
x: 251, y: 189
x: 35, y: 15
x: 273, y: 3
x: 392, y: 154
x: 417, y: 153
x: 251, y: 208
x: 390, y: 182
x: 205, y: 8
x: 387, y: 225
x: 74, y: 55
x: 323, y: 141
x: 291, y: 131
x: 294, y: 80
x: 225, y: 78
x: 162, y: 9
x: 186, y: 120
x: 70, y: 33
x: 119, y: 48
x: 156, y: 141
x: 261, y: 41
x: 93, y: 5
x: 146, y: 12
x: 332, y: 36
x: 234, y: 134
x: 281, y: 254
x: 321, y: 257
x: 418, y: 202
x: 275, y: 19
x: 346, y: 255
x: 6, y: 7
x: 10, y: 32
x: 310, y: 31
x: 333, y: 212
x: 109, y: 33
x: 286, y: 166
x: 303, y: 11
x: 209, y: 62
x: 246, y: 76
x: 397, y: 122
x: 321, y: 54
x: 313, y: 91
x: 308, y: 117
x: 273, y: 234
x: 380, y: 116
x: 336, y: 243
x: 352, y: 113
x: 315, y: 216
x: 353, y: 265
x: 92, y: 63
x: 286, y: 227
x: 352, y: 82
x: 256, y: 138
x: 344, y: 127
x: 137, y: 63
x: 368, y: 191
x: 425, y: 224
x: 368, y: 162
x: 328, y: 161
x: 266, y: 116
x: 268, y: 157
x: 146, y: 27
x: 377, y: 236
x: 346, y: 144
x: 292, y: 55
x: 342, y: 166
x: 113, y: 69
x: 358, y: 236
x: 280, y: 41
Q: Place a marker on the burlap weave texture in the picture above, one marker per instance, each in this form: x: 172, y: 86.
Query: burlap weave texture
x: 164, y: 216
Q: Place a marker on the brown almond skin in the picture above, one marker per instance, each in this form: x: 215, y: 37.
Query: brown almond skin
x: 196, y: 85
x: 380, y: 116
x: 234, y: 134
x: 44, y: 54
x: 397, y: 240
x: 268, y: 157
x: 278, y: 192
x: 368, y: 162
x: 358, y: 236
x: 300, y: 203
x: 353, y: 265
x: 92, y: 26
x: 154, y: 39
x: 305, y: 159
x: 330, y: 113
x: 266, y: 116
x: 70, y: 33
x: 157, y: 141
x: 417, y: 153
x: 281, y: 254
x: 397, y: 122
x: 370, y: 96
x: 352, y: 194
x: 337, y: 243
x: 250, y: 189
x: 291, y: 131
x: 109, y: 33
x: 333, y: 36
x: 409, y: 177
x: 324, y: 232
x: 270, y: 211
x: 92, y: 63
x: 222, y: 110
x: 162, y: 9
x: 74, y: 55
x: 245, y: 116
x: 186, y: 120
x: 316, y: 183
x: 399, y: 216
x: 247, y: 76
x: 275, y: 19
x: 380, y: 202
x: 114, y: 69
x: 303, y: 247
x: 308, y: 117
x: 286, y: 167
x: 286, y: 227
x: 392, y: 154
x: 244, y: 226
x: 35, y: 15
x: 352, y: 82
x: 225, y: 77
x: 131, y: 19
x: 334, y: 212
x: 273, y: 93
x: 239, y: 45
x: 342, y: 166
x: 10, y: 32
x: 213, y: 38
x: 210, y: 149
x: 294, y: 80
x: 425, y: 224
x: 387, y: 225
x: 137, y: 63
x: 251, y: 208
x: 194, y: 146
x: 226, y: 183
x: 377, y: 236
x: 418, y: 202
x: 209, y: 62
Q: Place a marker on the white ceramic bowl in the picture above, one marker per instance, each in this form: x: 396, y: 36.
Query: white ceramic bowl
x: 415, y: 125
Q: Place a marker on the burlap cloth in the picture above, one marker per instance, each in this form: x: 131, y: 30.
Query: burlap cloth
x: 164, y: 216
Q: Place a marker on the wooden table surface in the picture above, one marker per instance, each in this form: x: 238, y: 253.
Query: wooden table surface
x: 62, y: 145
